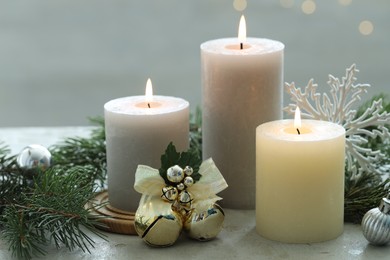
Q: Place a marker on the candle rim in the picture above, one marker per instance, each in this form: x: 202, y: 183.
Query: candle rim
x: 258, y: 46
x: 116, y: 106
x: 317, y: 133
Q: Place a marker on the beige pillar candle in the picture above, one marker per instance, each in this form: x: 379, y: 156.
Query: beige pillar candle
x: 242, y: 88
x: 300, y: 181
x: 138, y: 130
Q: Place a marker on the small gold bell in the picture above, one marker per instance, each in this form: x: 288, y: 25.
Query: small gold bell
x: 206, y: 225
x: 169, y: 193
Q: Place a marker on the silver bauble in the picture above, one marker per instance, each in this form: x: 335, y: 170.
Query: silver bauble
x: 181, y: 186
x: 188, y: 181
x: 205, y: 225
x: 376, y: 223
x: 175, y: 174
x: 169, y: 193
x: 34, y: 156
x: 188, y: 170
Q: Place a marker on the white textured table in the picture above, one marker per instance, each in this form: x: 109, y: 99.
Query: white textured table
x: 238, y: 239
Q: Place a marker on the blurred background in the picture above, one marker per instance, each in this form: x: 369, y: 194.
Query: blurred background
x: 60, y: 61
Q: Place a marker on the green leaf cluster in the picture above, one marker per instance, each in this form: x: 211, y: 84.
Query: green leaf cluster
x: 171, y: 158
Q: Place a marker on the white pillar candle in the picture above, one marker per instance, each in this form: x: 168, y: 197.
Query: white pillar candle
x: 242, y: 88
x: 138, y: 130
x: 300, y: 181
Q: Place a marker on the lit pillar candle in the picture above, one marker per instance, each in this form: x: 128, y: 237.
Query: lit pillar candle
x: 242, y: 87
x: 300, y: 180
x: 138, y: 130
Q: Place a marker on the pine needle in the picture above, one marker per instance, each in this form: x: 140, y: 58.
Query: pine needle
x: 53, y: 211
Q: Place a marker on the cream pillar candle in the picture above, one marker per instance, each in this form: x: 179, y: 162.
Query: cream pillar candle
x: 300, y: 181
x: 242, y: 88
x: 138, y: 130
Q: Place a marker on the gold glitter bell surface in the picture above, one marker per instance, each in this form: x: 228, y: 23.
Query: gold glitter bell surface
x: 376, y: 223
x: 205, y: 225
x: 156, y: 223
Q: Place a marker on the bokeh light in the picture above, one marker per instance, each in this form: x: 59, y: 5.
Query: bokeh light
x: 366, y: 27
x: 239, y: 5
x: 287, y: 3
x: 308, y: 6
x: 345, y: 2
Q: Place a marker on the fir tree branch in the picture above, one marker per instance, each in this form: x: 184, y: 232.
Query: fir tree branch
x: 78, y: 151
x: 363, y: 194
x: 53, y: 211
x: 13, y: 181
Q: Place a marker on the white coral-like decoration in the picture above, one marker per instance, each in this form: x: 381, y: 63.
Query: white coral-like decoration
x: 339, y: 109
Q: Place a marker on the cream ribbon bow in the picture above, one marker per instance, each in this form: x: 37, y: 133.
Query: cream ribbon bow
x: 149, y: 182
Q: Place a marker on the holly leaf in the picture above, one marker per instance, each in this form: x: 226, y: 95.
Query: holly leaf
x: 171, y: 158
x: 191, y: 158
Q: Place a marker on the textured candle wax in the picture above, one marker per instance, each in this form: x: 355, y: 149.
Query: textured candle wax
x: 300, y: 181
x: 137, y: 134
x: 241, y: 89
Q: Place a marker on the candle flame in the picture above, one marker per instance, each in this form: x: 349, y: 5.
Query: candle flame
x: 242, y: 30
x: 297, y: 118
x: 149, y: 91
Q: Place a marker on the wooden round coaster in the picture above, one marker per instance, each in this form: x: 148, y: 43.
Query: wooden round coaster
x: 114, y: 220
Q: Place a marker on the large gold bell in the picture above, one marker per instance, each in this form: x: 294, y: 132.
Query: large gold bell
x: 156, y: 223
x: 205, y: 225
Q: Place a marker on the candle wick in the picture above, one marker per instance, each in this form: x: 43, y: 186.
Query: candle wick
x: 148, y: 105
x: 241, y: 46
x: 298, y: 131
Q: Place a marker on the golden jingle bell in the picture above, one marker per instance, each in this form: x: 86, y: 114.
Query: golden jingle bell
x: 169, y: 193
x: 156, y: 223
x: 205, y: 225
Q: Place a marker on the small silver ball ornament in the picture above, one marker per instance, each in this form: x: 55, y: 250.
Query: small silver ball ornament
x: 175, y: 174
x: 34, y: 156
x: 188, y: 170
x: 180, y: 186
x: 376, y: 223
x: 188, y: 181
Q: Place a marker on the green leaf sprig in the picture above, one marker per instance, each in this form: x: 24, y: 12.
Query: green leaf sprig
x: 171, y: 158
